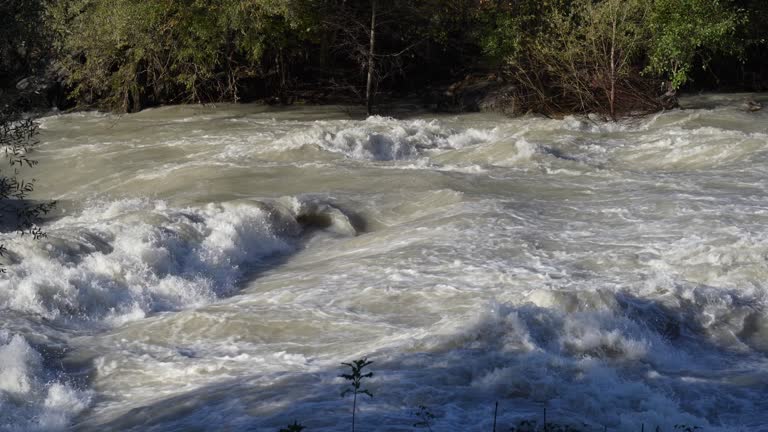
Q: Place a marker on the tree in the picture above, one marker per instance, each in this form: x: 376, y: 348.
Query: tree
x: 611, y: 56
x: 23, y: 40
x: 128, y: 54
x: 377, y: 38
x: 371, y: 64
x: 684, y: 31
x: 588, y: 55
x: 608, y: 56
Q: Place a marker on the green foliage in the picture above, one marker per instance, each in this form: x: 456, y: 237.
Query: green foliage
x: 501, y: 35
x: 686, y: 30
x: 123, y: 53
x: 504, y: 30
x: 586, y: 57
x: 295, y: 427
x: 608, y: 56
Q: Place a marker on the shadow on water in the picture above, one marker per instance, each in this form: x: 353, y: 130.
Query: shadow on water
x: 15, y: 213
x: 314, y: 221
x: 460, y: 376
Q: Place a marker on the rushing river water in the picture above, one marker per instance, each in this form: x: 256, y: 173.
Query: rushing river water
x: 210, y: 267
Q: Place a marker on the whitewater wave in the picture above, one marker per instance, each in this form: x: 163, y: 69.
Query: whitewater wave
x: 123, y: 260
x: 587, y: 356
x: 673, y: 141
x: 384, y: 139
x: 612, y: 272
x: 33, y: 397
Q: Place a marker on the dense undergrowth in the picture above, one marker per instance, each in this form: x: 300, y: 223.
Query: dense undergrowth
x: 608, y: 56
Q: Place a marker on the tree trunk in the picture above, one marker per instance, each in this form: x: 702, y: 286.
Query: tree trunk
x: 612, y: 97
x: 281, y: 76
x: 369, y: 84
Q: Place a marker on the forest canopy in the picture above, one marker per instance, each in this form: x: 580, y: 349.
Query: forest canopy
x: 607, y: 56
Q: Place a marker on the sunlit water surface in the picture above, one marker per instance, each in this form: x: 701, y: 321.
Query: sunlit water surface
x: 210, y: 267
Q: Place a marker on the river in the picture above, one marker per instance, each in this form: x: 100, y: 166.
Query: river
x: 208, y: 268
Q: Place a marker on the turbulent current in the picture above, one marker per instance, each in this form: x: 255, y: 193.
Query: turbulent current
x: 208, y: 268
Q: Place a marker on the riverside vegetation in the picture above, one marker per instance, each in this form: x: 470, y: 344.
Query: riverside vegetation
x: 612, y: 57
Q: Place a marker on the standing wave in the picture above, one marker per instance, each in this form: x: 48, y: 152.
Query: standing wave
x: 123, y: 260
x: 384, y: 139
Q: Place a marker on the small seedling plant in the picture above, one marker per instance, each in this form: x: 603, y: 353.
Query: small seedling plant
x: 355, y: 378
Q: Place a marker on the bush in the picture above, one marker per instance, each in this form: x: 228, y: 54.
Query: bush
x: 127, y: 54
x: 613, y: 56
x: 686, y: 31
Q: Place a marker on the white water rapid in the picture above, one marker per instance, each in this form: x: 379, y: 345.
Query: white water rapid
x: 208, y: 268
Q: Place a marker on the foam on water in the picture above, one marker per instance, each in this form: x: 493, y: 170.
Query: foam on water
x: 384, y: 139
x: 32, y: 397
x: 614, y: 272
x: 122, y: 260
